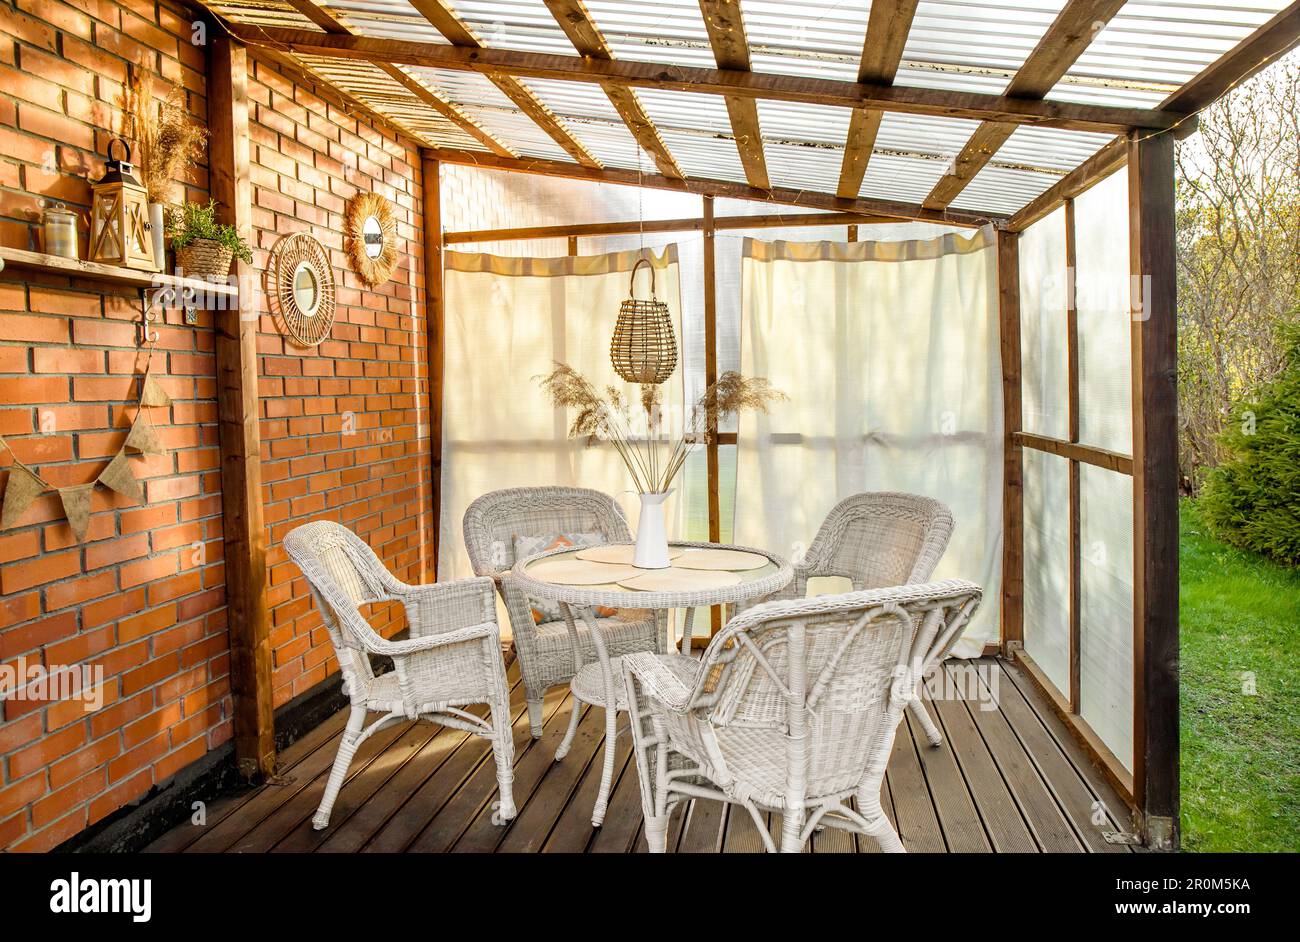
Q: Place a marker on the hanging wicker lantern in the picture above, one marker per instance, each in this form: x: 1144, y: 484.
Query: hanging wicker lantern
x: 644, y: 349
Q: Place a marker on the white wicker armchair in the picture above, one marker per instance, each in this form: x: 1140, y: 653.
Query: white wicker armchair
x: 877, y: 539
x: 451, y: 659
x: 793, y: 709
x: 545, y: 651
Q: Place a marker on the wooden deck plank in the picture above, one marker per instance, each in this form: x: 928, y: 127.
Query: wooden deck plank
x: 962, y: 831
x: 1067, y: 786
x: 1036, y: 802
x: 475, y: 791
x: 623, y: 819
x: 538, y: 815
x: 282, y: 821
x: 915, y: 818
x: 573, y: 832
x: 1003, y: 822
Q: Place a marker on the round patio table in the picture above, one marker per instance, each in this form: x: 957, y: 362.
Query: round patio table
x: 600, y: 683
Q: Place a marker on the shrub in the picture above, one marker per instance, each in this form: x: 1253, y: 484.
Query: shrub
x: 1253, y: 498
x: 190, y: 221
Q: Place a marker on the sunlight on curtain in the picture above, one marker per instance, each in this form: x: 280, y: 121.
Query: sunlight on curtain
x: 508, y: 320
x: 889, y: 353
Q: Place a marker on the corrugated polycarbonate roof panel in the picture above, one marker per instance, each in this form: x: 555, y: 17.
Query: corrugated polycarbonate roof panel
x: 263, y: 13
x: 382, y: 92
x: 658, y: 31
x: 493, y: 111
x: 704, y: 155
x: 1049, y: 148
x: 1002, y: 189
x: 526, y: 25
x: 593, y: 120
x: 813, y: 167
x: 901, y: 178
x: 385, y: 19
x: 923, y: 134
x: 1158, y: 43
x: 818, y: 39
x: 796, y: 121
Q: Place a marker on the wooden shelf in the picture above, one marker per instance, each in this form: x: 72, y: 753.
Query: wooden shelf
x: 96, y: 271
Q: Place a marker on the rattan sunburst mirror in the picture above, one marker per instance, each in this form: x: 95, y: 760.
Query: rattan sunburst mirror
x: 301, y: 288
x: 371, y: 232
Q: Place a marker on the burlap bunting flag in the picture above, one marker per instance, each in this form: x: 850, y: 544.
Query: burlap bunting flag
x: 118, y: 477
x: 152, y: 394
x: 76, y: 507
x: 23, y: 488
x: 143, y: 437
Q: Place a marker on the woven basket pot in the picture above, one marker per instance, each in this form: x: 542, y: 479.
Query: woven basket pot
x: 204, y: 258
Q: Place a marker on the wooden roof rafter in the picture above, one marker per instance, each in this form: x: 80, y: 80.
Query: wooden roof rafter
x: 576, y: 21
x: 456, y: 32
x: 694, y: 80
x: 335, y: 26
x: 1059, y: 48
x: 726, y: 27
x: 888, y: 25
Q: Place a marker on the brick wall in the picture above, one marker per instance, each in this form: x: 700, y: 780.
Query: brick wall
x: 342, y: 429
x: 344, y: 425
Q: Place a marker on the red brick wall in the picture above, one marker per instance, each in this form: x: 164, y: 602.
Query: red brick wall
x: 143, y: 597
x: 341, y: 423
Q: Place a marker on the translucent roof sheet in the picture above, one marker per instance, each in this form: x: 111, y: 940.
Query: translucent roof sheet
x: 1137, y: 59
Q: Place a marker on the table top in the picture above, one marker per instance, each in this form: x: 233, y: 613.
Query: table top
x: 754, y: 583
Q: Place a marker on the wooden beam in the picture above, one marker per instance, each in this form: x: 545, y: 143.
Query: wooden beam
x: 576, y: 21
x: 758, y: 85
x: 1074, y: 451
x: 888, y: 24
x: 809, y: 199
x: 1065, y: 40
x: 1262, y: 47
x: 430, y: 181
x: 1013, y: 511
x: 689, y: 224
x: 333, y: 25
x: 238, y: 415
x: 1075, y: 497
x: 1155, y: 485
x: 711, y: 377
x: 726, y: 28
x: 1083, y: 177
x: 458, y: 33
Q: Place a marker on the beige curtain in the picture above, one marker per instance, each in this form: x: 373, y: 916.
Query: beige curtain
x: 889, y: 354
x: 508, y: 321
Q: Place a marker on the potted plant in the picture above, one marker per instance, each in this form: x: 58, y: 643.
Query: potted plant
x: 168, y: 141
x: 652, y: 457
x: 204, y: 247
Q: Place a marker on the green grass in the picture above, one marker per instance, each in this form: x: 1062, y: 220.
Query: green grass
x: 1240, y: 615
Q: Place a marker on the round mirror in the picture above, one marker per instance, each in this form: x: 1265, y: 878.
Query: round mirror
x: 306, y: 289
x: 372, y: 237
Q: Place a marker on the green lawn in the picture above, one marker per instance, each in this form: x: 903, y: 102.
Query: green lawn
x: 1240, y: 616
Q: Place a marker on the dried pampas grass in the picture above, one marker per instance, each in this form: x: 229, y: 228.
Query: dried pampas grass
x: 609, y: 417
x: 168, y: 139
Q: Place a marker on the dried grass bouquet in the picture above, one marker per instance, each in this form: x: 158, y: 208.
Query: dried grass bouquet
x: 168, y: 139
x: 652, y: 458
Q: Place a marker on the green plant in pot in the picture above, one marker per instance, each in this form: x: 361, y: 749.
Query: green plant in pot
x: 204, y: 248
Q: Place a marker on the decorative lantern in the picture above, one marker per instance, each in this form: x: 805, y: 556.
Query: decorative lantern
x: 119, y: 222
x: 644, y: 349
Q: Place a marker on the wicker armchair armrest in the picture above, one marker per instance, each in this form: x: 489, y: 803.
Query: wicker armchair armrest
x: 377, y: 644
x: 658, y: 681
x: 447, y: 606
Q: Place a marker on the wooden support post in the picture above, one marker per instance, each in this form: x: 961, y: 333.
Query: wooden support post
x: 1075, y: 496
x: 573, y: 245
x: 853, y: 233
x: 237, y: 420
x: 1013, y: 576
x: 711, y: 376
x: 1155, y: 486
x: 431, y: 177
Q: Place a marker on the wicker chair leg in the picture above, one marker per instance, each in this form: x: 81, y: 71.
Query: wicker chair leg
x: 656, y: 834
x: 922, y: 716
x: 607, y: 770
x: 791, y: 825
x: 343, y: 759
x: 535, y: 717
x: 503, y: 752
x: 575, y: 713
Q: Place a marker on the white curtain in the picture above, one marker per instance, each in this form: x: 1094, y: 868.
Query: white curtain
x: 889, y: 354
x: 508, y: 321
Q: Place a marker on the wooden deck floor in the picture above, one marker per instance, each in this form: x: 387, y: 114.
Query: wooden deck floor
x: 1009, y: 779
